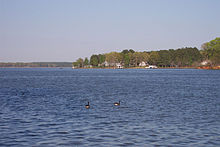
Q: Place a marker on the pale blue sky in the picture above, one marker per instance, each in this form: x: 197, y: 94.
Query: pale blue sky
x: 64, y: 30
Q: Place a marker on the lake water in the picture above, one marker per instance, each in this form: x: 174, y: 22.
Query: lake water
x: 167, y: 107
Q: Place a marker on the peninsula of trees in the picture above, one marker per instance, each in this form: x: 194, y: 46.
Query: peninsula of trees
x: 209, y: 55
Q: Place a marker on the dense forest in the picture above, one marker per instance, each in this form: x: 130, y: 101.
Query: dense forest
x: 182, y: 57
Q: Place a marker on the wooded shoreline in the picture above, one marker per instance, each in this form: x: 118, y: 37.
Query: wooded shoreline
x: 208, y: 56
x: 16, y: 65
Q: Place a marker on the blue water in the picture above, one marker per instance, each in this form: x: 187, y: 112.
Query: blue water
x: 168, y: 107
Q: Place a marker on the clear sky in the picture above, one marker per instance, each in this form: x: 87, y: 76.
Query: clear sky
x: 64, y: 30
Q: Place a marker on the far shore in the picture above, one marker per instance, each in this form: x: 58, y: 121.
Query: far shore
x: 200, y: 67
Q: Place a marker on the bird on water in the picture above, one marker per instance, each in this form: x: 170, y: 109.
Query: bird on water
x: 87, y: 106
x: 117, y: 103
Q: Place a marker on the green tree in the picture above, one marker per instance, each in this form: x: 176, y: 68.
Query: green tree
x: 80, y: 62
x: 125, y: 52
x: 101, y: 58
x: 86, y: 62
x: 211, y: 51
x: 145, y: 57
x: 137, y: 58
x: 172, y: 57
x: 164, y: 58
x: 113, y: 57
x: 125, y: 58
x: 186, y: 56
x: 154, y: 58
x: 94, y: 60
x: 131, y: 51
x: 75, y: 64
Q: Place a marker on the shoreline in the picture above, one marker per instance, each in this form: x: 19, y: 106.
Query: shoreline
x: 209, y: 67
x: 200, y: 67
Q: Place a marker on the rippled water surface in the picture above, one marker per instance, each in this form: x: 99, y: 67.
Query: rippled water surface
x: 168, y: 107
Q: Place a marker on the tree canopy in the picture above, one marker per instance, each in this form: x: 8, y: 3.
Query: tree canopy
x: 182, y: 57
x: 211, y: 51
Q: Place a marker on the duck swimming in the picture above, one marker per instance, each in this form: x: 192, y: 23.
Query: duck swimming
x: 117, y: 103
x: 87, y: 106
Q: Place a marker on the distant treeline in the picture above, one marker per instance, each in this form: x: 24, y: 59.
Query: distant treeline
x: 36, y: 64
x: 183, y: 57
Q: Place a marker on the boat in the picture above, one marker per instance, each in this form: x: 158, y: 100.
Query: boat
x: 151, y: 67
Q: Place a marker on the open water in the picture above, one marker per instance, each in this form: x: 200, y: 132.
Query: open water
x: 167, y: 107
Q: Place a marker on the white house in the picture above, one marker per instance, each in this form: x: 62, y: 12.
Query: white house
x: 142, y: 64
x: 206, y: 62
x: 106, y: 64
x: 119, y: 66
